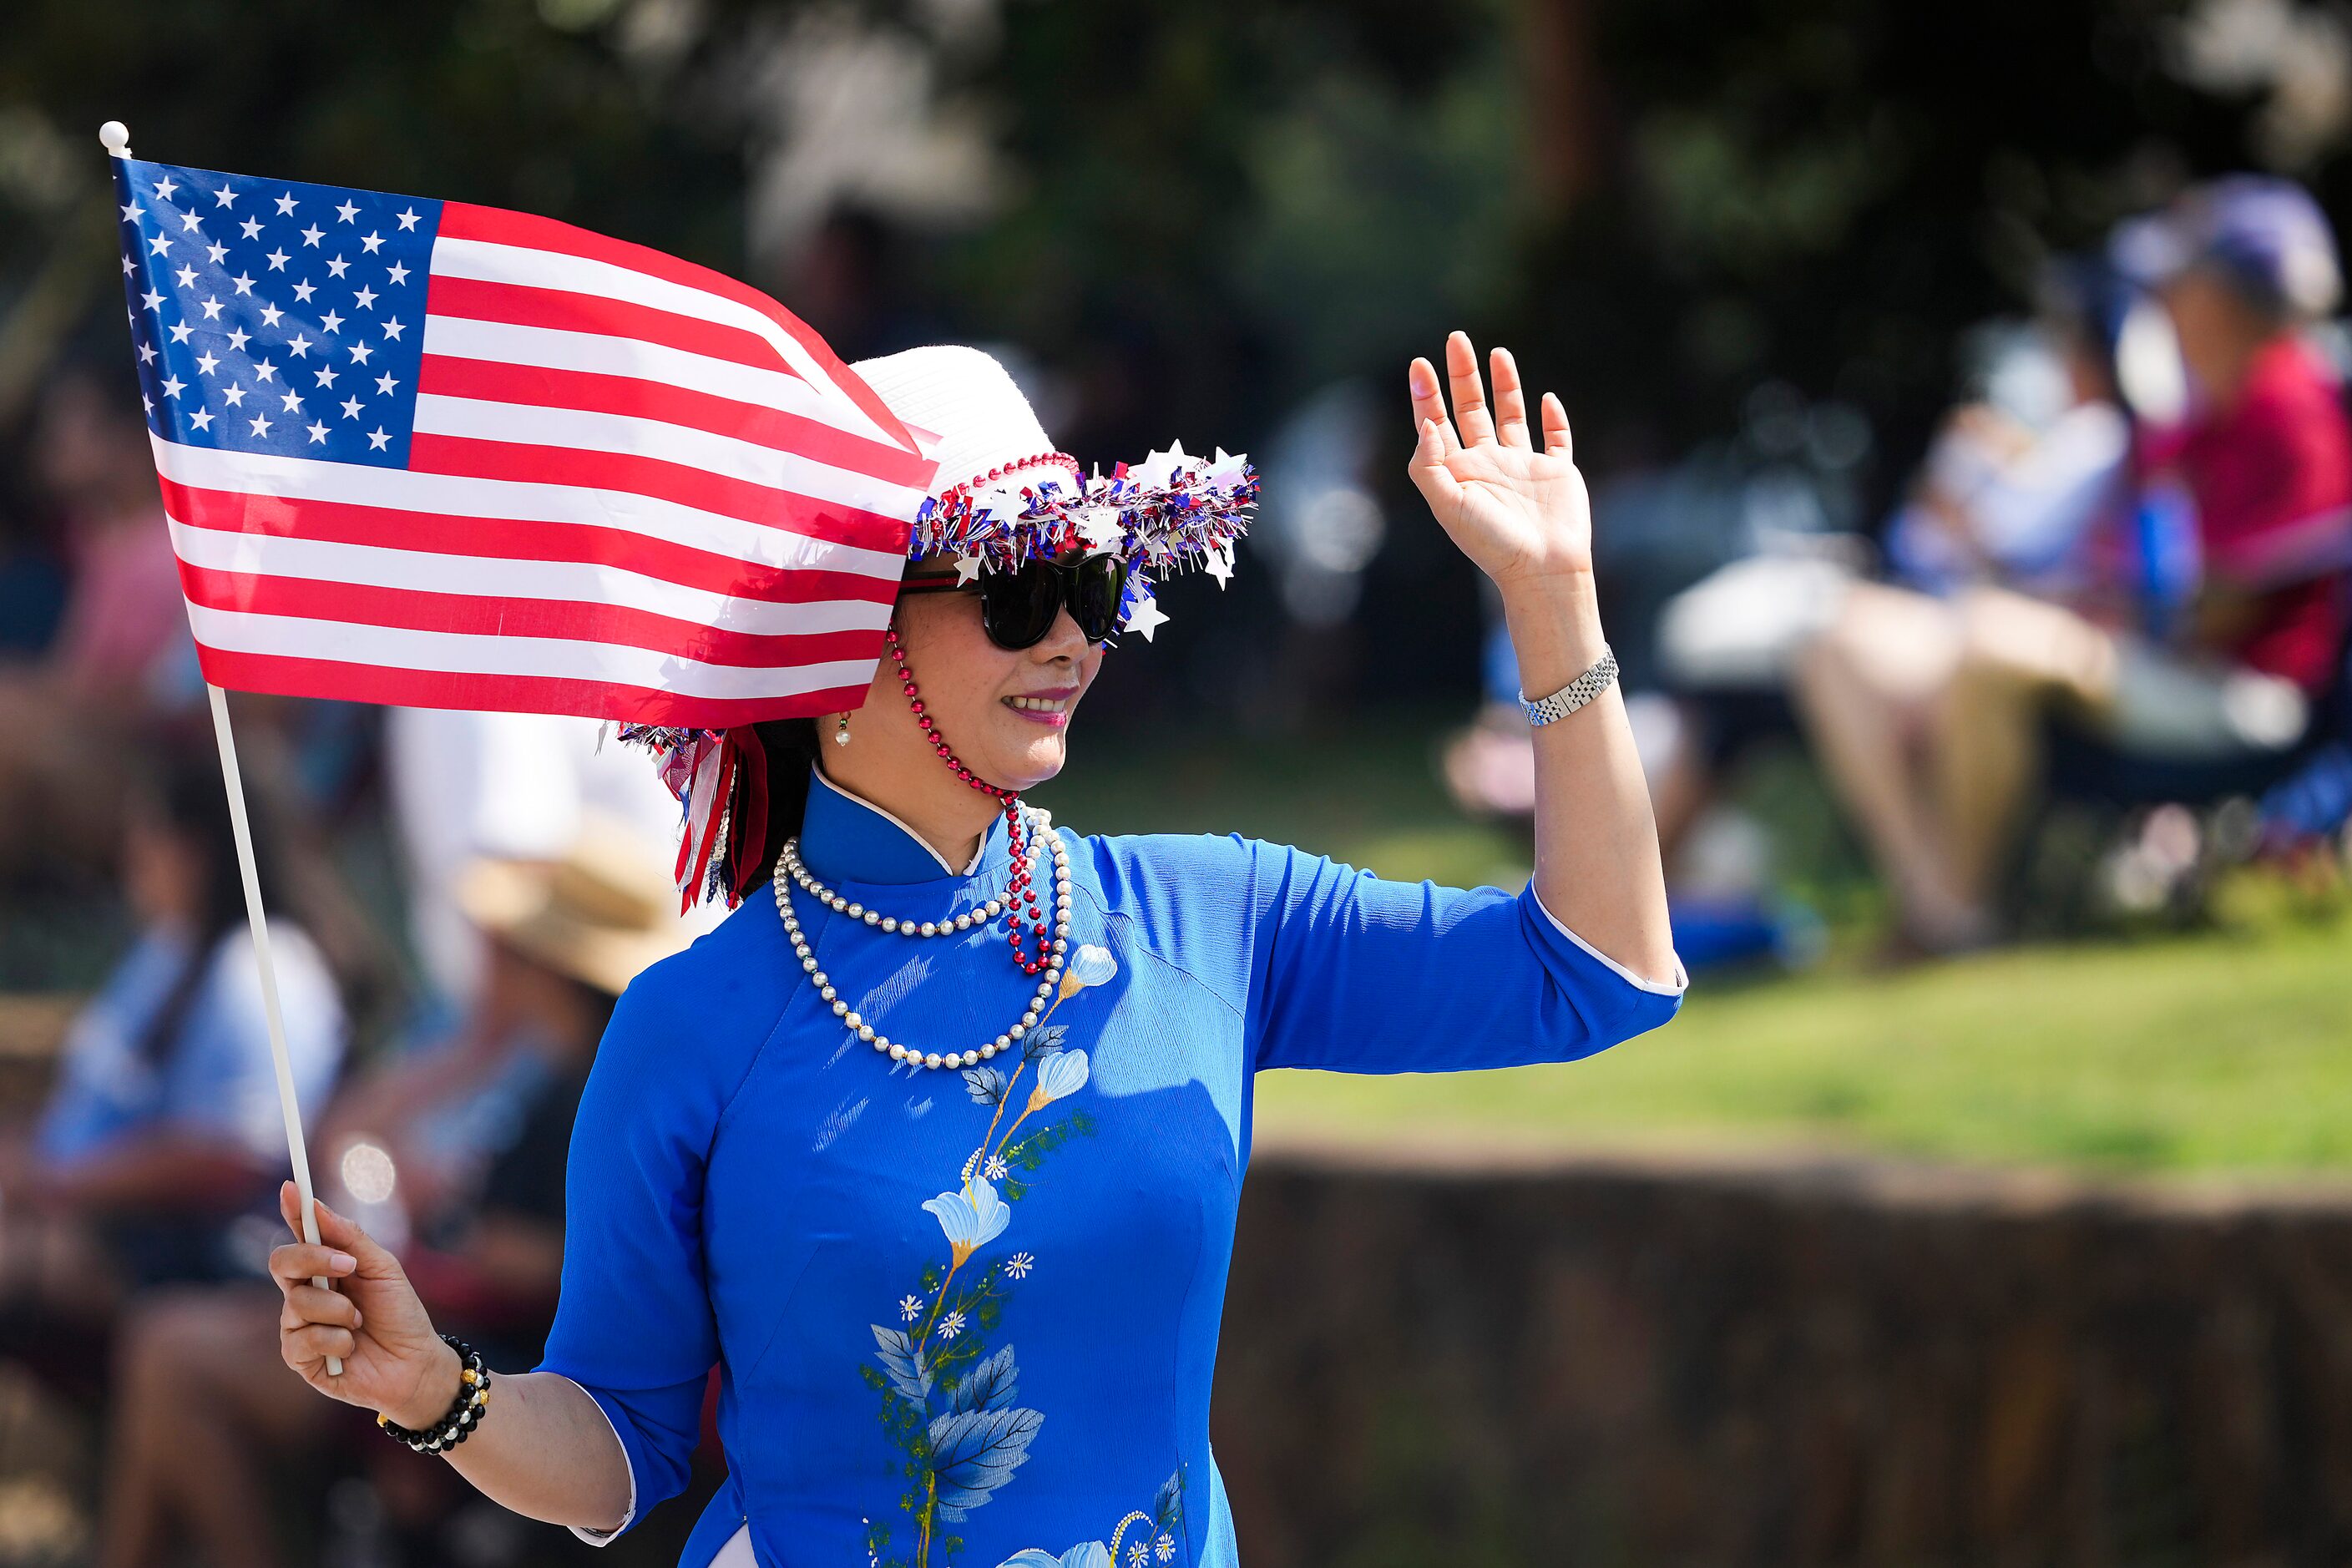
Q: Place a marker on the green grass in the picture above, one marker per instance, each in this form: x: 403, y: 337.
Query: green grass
x: 2228, y: 1050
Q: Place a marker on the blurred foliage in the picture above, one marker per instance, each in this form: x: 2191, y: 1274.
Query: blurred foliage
x: 1213, y: 208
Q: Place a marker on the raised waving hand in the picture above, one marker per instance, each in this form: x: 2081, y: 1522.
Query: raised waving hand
x: 1518, y: 509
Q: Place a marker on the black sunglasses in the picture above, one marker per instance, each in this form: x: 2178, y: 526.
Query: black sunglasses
x: 1017, y: 607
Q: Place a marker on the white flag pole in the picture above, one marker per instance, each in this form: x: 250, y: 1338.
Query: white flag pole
x: 270, y: 1008
x: 116, y: 139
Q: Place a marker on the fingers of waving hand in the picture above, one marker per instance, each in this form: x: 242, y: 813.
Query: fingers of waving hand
x: 1428, y: 471
x: 1470, y: 415
x: 1510, y: 400
x: 1558, y: 443
x: 1429, y: 404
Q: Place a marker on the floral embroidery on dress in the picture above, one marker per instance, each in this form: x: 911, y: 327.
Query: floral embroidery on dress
x: 1161, y: 1528
x: 949, y: 1402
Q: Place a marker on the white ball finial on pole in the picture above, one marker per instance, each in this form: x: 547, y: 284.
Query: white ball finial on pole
x: 116, y: 138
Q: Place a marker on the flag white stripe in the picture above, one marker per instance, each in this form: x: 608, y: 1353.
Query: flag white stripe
x: 589, y: 430
x: 462, y: 653
x: 369, y: 565
x: 556, y: 348
x: 493, y: 263
x: 304, y: 479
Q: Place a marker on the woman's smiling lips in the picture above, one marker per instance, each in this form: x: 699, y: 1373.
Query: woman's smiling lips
x: 1050, y: 709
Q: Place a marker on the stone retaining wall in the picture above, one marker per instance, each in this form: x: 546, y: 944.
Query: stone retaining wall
x: 1468, y: 1360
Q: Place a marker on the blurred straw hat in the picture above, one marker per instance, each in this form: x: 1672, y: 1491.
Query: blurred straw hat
x: 601, y: 913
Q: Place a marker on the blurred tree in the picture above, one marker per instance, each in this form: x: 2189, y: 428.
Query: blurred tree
x: 1198, y: 213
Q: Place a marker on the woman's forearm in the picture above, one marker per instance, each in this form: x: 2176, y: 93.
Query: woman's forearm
x: 544, y: 1450
x: 1597, y: 866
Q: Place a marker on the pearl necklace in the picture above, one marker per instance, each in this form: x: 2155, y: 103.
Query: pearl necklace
x: 790, y: 870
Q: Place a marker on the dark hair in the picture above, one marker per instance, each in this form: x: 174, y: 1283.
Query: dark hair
x: 189, y: 801
x: 777, y: 755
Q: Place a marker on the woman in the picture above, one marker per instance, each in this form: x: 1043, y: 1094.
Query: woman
x: 963, y: 1297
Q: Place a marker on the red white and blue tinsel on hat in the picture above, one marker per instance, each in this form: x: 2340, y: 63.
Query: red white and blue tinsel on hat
x: 1001, y: 495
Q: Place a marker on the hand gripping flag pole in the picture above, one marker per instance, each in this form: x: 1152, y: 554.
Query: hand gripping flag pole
x: 116, y: 137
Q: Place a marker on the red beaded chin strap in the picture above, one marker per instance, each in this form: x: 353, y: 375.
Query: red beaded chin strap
x: 1019, y: 893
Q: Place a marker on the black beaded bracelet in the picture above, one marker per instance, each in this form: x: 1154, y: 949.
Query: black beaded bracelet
x: 465, y: 1415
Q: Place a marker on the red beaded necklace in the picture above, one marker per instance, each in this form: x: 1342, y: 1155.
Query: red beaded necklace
x: 1019, y: 895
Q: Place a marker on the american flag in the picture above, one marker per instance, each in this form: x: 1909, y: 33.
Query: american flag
x: 447, y: 456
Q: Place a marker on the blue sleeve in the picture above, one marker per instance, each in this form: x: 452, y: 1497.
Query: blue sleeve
x: 634, y: 1326
x: 1352, y: 973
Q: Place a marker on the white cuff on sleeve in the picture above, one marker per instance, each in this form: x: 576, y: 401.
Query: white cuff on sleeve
x: 604, y: 1537
x: 1675, y: 987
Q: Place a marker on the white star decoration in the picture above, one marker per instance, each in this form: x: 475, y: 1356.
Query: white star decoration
x: 1220, y: 564
x: 1101, y: 528
x: 968, y: 567
x: 1146, y: 617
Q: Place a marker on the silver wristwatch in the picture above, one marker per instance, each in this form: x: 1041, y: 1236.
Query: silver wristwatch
x: 1575, y: 694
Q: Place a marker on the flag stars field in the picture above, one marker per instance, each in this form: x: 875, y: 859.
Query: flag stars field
x: 231, y: 314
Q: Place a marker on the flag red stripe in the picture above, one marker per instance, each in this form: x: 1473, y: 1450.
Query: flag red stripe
x: 660, y: 478
x: 497, y: 226
x: 389, y: 528
x: 597, y: 393
x: 280, y: 675
x: 473, y: 615
x: 522, y: 305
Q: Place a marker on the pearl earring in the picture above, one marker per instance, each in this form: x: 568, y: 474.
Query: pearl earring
x: 841, y: 729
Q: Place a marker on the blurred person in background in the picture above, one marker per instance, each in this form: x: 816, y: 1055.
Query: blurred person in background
x: 468, y: 786
x: 106, y: 672
x: 164, y: 1124
x: 2263, y: 463
x: 2022, y: 491
x: 199, y: 1419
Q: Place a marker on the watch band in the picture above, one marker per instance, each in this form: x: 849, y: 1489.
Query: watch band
x: 1552, y: 710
